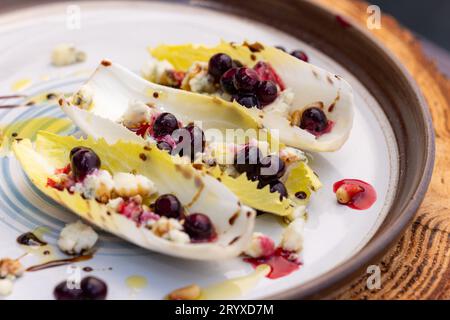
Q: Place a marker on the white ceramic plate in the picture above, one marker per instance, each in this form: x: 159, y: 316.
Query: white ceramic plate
x: 122, y: 32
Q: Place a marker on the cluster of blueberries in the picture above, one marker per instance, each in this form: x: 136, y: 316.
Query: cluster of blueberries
x: 198, y: 226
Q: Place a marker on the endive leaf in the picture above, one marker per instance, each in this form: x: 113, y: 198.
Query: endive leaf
x: 184, y: 55
x: 197, y: 192
x: 250, y: 195
x: 302, y: 179
x: 310, y: 84
x: 111, y: 88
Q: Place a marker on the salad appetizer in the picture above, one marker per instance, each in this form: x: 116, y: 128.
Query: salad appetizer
x: 182, y: 159
x: 231, y: 144
x: 311, y: 108
x: 145, y: 197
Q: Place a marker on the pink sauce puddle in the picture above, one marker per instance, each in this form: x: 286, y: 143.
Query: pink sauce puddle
x: 362, y: 200
x: 279, y: 262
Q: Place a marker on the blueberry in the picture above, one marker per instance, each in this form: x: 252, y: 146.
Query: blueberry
x: 237, y: 64
x: 196, y: 137
x: 93, y: 288
x: 74, y: 150
x: 199, y: 227
x: 314, y: 120
x: 299, y: 54
x: 219, y: 64
x: 279, y: 187
x: 248, y: 100
x: 227, y: 81
x: 248, y: 160
x: 167, y: 205
x: 267, y: 92
x: 272, y: 168
x: 275, y: 186
x: 165, y: 124
x: 162, y: 145
x: 62, y: 292
x: 246, y: 80
x: 83, y: 162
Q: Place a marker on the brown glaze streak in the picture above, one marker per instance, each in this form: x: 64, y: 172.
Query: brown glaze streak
x: 142, y: 156
x: 106, y: 63
x: 254, y: 47
x: 234, y: 240
x: 197, y: 194
x: 197, y: 166
x: 198, y: 182
x: 233, y: 218
x: 58, y: 263
x: 184, y: 171
x: 13, y: 96
x: 333, y: 104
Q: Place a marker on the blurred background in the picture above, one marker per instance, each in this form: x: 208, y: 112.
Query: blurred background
x: 428, y: 18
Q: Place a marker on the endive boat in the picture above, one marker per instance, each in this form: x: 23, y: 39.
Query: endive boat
x: 143, y: 197
x: 311, y: 108
x: 117, y: 104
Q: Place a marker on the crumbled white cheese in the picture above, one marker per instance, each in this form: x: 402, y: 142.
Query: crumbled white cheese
x: 76, y: 238
x: 83, y: 98
x: 282, y: 103
x: 177, y: 236
x: 292, y: 237
x: 129, y: 185
x: 114, y: 204
x: 164, y: 225
x: 6, y: 287
x: 260, y: 246
x: 298, y: 212
x: 154, y: 69
x: 291, y: 155
x: 66, y: 54
x: 136, y: 114
x: 197, y: 79
x: 98, y: 185
x: 222, y: 152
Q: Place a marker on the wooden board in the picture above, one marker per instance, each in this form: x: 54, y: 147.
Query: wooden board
x: 418, y: 266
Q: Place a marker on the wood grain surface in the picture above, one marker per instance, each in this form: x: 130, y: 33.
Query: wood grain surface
x: 418, y: 266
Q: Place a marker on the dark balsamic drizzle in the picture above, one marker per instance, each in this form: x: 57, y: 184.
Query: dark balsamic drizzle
x: 58, y: 263
x: 30, y: 239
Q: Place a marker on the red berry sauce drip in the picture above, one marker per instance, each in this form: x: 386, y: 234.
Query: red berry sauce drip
x: 330, y: 125
x: 266, y: 72
x: 362, y: 199
x: 66, y: 184
x: 178, y: 76
x: 280, y: 262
